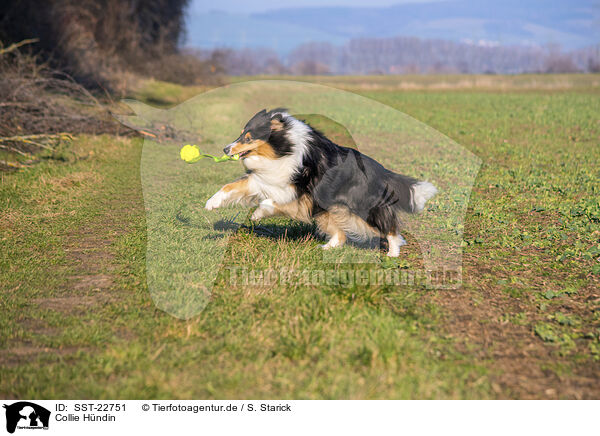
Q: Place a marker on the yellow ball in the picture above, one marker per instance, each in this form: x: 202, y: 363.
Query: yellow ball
x: 189, y: 152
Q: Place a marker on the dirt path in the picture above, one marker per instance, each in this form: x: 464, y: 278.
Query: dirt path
x: 522, y: 365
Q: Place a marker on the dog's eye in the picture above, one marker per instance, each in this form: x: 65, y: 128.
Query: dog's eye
x: 247, y: 137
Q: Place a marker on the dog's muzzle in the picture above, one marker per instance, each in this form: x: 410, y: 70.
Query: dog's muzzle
x: 227, y: 149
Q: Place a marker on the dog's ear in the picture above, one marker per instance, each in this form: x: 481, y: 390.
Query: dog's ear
x: 277, y: 113
x: 276, y: 124
x: 277, y: 119
x: 277, y: 116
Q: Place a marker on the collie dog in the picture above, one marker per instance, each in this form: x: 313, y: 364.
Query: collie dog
x: 294, y: 170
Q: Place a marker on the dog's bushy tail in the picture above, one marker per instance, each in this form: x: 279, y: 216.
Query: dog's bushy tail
x: 411, y: 194
x: 420, y: 193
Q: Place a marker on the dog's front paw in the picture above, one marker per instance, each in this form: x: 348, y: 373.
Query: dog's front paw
x: 215, y: 201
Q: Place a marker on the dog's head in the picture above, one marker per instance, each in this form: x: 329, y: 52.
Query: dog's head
x: 263, y: 136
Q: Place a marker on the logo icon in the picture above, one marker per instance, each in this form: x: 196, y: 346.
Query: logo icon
x: 26, y: 415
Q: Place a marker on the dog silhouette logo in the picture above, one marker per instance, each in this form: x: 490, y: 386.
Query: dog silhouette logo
x: 26, y: 415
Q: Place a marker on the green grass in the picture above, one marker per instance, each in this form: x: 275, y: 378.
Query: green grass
x: 77, y: 319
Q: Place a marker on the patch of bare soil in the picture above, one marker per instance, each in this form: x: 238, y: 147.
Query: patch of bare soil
x: 91, y: 253
x: 25, y: 352
x: 91, y: 287
x: 39, y: 326
x: 522, y: 365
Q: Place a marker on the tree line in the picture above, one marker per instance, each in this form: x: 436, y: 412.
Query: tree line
x: 406, y: 55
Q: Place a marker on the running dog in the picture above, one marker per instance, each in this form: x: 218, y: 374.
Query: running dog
x: 292, y: 169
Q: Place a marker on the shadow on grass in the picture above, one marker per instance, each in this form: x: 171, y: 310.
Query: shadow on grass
x: 290, y: 231
x: 298, y: 231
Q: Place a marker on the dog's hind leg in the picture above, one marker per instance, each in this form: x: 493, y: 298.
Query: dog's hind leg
x: 328, y: 225
x: 395, y: 241
x: 337, y: 240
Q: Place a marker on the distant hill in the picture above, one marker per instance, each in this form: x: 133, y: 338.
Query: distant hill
x: 225, y: 30
x: 571, y: 24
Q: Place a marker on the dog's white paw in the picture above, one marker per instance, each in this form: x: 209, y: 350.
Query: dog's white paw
x: 215, y: 201
x: 332, y: 243
x: 257, y: 215
x: 265, y: 208
x: 394, y: 244
x: 268, y: 206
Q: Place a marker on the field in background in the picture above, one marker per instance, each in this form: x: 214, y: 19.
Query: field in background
x: 77, y: 320
x: 441, y: 82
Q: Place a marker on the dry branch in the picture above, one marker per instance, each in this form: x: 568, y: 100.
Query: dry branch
x: 16, y: 45
x: 48, y: 142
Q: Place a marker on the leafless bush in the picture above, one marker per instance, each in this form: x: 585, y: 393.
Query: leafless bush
x: 310, y: 67
x: 593, y: 65
x: 184, y: 68
x: 100, y: 42
x: 560, y: 63
x: 38, y: 105
x: 243, y: 62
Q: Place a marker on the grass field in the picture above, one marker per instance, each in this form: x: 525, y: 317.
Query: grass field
x: 77, y: 320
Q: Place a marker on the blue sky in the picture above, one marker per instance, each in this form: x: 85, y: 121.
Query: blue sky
x: 251, y: 6
x: 268, y: 24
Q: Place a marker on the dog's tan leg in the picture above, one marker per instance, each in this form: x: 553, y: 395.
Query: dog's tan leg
x: 395, y: 241
x: 235, y: 192
x: 328, y: 225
